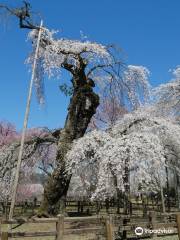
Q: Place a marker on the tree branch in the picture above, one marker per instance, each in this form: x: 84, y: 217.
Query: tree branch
x: 23, y: 14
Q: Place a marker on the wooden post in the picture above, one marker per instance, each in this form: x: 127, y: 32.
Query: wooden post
x: 178, y: 224
x: 60, y: 227
x: 19, y: 160
x: 152, y: 221
x: 124, y: 233
x: 4, y: 236
x: 6, y: 210
x: 109, y: 229
x: 162, y: 199
x: 0, y: 225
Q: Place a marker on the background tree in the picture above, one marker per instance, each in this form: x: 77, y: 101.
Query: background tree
x: 132, y: 156
x: 39, y: 153
x: 167, y: 96
x: 8, y: 133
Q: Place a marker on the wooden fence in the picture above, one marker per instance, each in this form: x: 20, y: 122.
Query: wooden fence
x: 161, y: 225
x: 98, y: 225
x: 104, y: 227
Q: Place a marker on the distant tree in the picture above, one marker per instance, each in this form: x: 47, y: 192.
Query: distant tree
x: 29, y: 191
x: 107, y: 114
x: 8, y: 133
x: 39, y: 153
x: 167, y: 96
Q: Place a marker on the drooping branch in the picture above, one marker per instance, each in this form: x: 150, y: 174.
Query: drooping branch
x: 141, y: 138
x: 8, y: 153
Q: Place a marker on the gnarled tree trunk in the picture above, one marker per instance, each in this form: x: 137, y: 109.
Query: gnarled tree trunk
x: 82, y: 107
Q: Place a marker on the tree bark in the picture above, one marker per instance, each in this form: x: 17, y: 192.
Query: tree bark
x: 162, y: 199
x: 82, y: 107
x: 177, y: 188
x: 126, y: 188
x: 168, y: 190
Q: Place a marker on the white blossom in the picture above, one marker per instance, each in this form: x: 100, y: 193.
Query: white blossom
x: 167, y: 96
x: 55, y: 53
x: 139, y: 143
x: 136, y: 80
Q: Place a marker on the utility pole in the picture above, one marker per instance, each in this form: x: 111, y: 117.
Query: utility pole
x: 24, y: 127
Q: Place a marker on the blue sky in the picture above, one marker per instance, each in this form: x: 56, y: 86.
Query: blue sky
x: 148, y: 31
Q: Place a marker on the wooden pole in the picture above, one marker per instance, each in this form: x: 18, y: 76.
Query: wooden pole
x: 162, y: 198
x: 4, y: 236
x: 178, y: 224
x: 0, y: 225
x: 24, y: 128
x: 60, y: 227
x: 109, y: 229
x: 152, y: 221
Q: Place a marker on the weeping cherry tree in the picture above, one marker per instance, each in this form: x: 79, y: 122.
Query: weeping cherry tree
x: 90, y: 66
x: 131, y: 156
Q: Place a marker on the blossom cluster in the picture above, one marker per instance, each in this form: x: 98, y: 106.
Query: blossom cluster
x: 136, y: 80
x: 167, y: 95
x: 136, y: 148
x: 55, y: 54
x: 35, y: 156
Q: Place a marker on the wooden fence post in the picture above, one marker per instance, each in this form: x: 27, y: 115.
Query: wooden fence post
x: 124, y: 232
x: 178, y: 224
x: 4, y: 236
x: 60, y: 227
x: 0, y: 225
x: 109, y: 229
x: 152, y: 221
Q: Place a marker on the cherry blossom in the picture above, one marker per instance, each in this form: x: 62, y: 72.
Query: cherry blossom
x: 138, y: 143
x: 167, y: 96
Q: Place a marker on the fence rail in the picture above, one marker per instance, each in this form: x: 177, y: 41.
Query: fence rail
x: 101, y: 225
x: 104, y: 226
